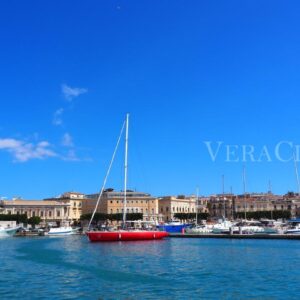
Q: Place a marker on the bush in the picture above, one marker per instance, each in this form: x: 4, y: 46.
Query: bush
x: 112, y: 217
x: 34, y: 221
x: 256, y: 215
x: 18, y: 218
x: 191, y: 216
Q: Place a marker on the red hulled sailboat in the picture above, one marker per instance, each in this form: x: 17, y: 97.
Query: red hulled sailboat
x: 124, y: 234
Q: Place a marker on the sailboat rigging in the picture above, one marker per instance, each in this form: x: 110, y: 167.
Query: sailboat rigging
x: 121, y: 234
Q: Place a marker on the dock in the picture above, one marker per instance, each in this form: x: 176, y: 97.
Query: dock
x: 238, y: 236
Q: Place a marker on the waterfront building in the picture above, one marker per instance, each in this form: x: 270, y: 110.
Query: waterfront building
x: 74, y: 199
x: 170, y: 205
x: 229, y: 205
x: 48, y: 211
x: 112, y: 202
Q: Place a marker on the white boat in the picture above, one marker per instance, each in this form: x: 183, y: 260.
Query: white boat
x: 201, y: 229
x: 249, y: 227
x: 293, y: 227
x: 61, y: 231
x: 223, y: 226
x: 8, y: 231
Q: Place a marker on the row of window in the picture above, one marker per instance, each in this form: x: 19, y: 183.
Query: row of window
x: 41, y: 214
x: 178, y: 209
x: 289, y: 207
x: 131, y: 210
x: 129, y: 201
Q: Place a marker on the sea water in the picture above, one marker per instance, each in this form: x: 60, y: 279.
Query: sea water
x: 73, y: 268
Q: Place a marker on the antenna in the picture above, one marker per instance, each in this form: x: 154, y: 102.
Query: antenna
x: 270, y: 187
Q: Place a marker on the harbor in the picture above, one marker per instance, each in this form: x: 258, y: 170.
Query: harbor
x: 73, y: 268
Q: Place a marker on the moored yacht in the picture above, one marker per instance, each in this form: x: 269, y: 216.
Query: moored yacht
x: 8, y: 231
x: 173, y: 226
x: 62, y: 230
x: 293, y: 227
x: 122, y: 234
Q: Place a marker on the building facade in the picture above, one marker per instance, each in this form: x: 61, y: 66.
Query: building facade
x: 74, y: 200
x: 48, y: 211
x: 229, y: 205
x: 112, y: 202
x: 170, y: 205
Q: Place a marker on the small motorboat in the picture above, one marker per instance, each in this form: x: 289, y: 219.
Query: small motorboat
x: 61, y: 231
x: 8, y: 231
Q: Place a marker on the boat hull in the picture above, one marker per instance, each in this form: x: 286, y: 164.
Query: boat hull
x: 109, y: 236
x: 8, y: 231
x: 173, y: 228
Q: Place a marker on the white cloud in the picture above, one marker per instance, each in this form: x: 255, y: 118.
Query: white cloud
x: 23, y: 151
x: 67, y: 140
x: 71, y: 156
x: 57, y: 117
x: 70, y: 93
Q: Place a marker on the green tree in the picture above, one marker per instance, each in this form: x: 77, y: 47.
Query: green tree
x: 33, y: 221
x: 19, y: 218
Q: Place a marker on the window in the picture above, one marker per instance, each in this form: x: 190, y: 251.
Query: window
x: 117, y: 210
x: 152, y: 210
x: 173, y: 209
x: 137, y: 201
x: 33, y: 213
x: 161, y: 209
x: 42, y: 213
x: 111, y: 211
x: 58, y: 213
x: 111, y: 202
x: 137, y: 210
x: 50, y: 214
x: 167, y: 209
x: 132, y: 210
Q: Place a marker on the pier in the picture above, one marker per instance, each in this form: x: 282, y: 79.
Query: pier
x: 239, y: 236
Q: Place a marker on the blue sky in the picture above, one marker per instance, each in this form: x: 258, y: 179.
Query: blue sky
x: 186, y: 71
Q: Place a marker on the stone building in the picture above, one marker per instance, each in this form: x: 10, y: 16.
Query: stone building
x: 170, y: 205
x: 74, y: 199
x: 229, y: 205
x: 48, y: 211
x: 112, y: 202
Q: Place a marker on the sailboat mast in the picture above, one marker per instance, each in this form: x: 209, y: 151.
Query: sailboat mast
x: 244, y: 184
x: 197, y: 199
x: 125, y: 171
x: 297, y: 173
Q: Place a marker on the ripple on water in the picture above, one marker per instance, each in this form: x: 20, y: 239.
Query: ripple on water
x: 73, y: 268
